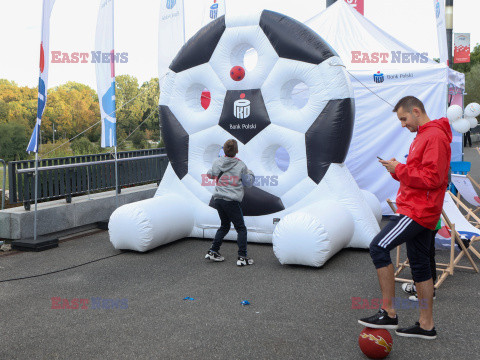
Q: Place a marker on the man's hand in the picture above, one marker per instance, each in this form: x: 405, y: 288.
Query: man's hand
x: 389, y: 164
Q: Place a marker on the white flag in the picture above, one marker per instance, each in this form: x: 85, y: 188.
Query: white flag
x: 171, y: 33
x: 43, y: 79
x: 213, y: 10
x: 439, y: 6
x: 104, y: 58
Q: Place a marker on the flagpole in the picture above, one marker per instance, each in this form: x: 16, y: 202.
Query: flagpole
x: 116, y: 179
x: 183, y: 11
x: 36, y: 195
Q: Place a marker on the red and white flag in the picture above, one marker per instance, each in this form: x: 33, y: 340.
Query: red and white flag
x: 43, y: 79
x: 357, y: 5
x: 462, y: 48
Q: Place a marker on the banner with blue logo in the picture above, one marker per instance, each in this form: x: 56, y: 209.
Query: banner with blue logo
x: 171, y: 33
x: 43, y: 79
x: 439, y: 8
x: 105, y: 72
x: 213, y: 10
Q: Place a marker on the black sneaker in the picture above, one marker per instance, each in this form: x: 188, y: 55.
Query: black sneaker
x: 380, y: 320
x: 418, y: 332
x: 243, y: 260
x: 213, y: 255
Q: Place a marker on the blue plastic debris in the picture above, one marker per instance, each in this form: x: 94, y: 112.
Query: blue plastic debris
x: 188, y: 298
x: 245, y: 302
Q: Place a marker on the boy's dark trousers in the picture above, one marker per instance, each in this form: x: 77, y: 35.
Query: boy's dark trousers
x: 230, y: 212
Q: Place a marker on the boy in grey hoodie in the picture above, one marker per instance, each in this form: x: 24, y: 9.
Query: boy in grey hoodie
x: 231, y: 175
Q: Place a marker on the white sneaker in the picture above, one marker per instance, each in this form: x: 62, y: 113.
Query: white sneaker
x: 409, y: 288
x: 242, y: 261
x: 213, y: 255
x: 415, y: 297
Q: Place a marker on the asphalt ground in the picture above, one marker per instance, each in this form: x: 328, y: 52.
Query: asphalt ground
x: 295, y: 312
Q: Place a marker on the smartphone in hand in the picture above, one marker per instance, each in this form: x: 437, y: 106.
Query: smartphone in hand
x: 379, y: 158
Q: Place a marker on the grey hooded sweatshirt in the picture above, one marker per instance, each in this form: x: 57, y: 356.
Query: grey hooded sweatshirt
x: 235, y: 176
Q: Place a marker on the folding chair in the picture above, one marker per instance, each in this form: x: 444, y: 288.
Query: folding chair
x: 455, y: 228
x: 466, y: 188
x: 458, y: 167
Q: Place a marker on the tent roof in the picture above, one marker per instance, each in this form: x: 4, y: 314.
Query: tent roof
x: 355, y: 39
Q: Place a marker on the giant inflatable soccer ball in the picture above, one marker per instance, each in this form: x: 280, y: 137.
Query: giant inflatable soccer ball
x: 294, y: 143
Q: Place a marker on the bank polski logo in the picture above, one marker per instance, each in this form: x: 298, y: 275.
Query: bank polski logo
x: 171, y: 4
x: 437, y: 9
x: 378, y: 77
x: 241, y: 107
x: 213, y: 11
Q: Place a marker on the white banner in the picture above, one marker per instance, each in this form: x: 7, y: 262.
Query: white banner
x: 377, y: 130
x: 439, y: 6
x: 43, y: 79
x: 105, y: 71
x: 171, y: 33
x: 213, y: 10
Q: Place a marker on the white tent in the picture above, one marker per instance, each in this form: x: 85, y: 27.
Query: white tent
x: 383, y: 70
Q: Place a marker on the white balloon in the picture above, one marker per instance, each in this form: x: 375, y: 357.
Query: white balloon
x: 473, y: 122
x: 472, y: 110
x: 461, y: 126
x: 454, y: 113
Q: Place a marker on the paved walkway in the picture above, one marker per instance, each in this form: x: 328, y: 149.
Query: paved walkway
x: 294, y: 313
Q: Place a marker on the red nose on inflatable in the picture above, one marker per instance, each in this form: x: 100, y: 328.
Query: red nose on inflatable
x: 375, y: 343
x: 237, y: 73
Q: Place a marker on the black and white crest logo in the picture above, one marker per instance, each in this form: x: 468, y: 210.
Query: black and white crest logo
x: 244, y: 114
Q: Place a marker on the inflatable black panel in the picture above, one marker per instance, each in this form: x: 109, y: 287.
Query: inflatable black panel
x: 199, y: 49
x: 244, y: 114
x: 176, y: 141
x: 293, y: 40
x: 257, y: 202
x: 328, y: 139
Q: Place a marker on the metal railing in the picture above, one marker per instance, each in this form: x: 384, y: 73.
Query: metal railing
x: 77, y: 175
x: 4, y: 182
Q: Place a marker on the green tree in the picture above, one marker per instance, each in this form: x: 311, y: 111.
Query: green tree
x: 82, y: 146
x: 13, y: 142
x: 472, y: 85
x: 138, y: 139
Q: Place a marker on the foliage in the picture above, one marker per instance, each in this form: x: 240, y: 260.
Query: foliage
x: 83, y: 146
x: 138, y: 140
x: 472, y: 85
x: 13, y: 142
x: 73, y: 107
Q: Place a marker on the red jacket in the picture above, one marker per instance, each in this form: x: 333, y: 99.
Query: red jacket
x: 424, y: 178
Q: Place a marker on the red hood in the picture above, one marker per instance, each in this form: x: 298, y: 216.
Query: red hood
x: 441, y: 124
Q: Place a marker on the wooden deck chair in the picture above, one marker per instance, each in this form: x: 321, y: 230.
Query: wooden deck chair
x: 467, y: 188
x: 455, y: 228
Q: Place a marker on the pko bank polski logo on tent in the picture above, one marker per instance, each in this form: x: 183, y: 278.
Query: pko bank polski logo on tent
x: 171, y: 4
x: 437, y: 9
x: 378, y: 77
x: 213, y: 11
x: 393, y: 57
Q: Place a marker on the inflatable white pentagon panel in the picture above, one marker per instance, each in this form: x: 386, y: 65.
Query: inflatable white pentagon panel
x: 294, y: 143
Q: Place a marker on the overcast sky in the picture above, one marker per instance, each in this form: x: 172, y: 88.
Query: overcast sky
x: 73, y: 25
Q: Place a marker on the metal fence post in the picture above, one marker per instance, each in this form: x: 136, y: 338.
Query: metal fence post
x: 4, y: 182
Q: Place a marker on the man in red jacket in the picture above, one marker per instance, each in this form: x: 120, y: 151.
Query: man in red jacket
x: 423, y: 182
